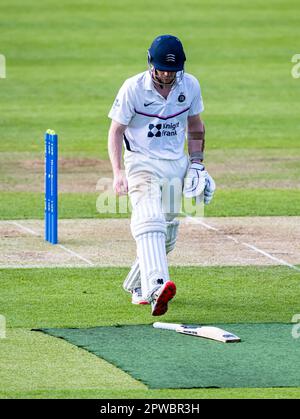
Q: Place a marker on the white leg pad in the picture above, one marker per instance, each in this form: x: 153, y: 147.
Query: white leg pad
x: 133, y: 279
x: 172, y: 232
x: 147, y: 216
x: 148, y: 227
x: 152, y: 261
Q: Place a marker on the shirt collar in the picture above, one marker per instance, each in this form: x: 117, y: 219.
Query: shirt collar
x: 148, y: 84
x: 148, y: 81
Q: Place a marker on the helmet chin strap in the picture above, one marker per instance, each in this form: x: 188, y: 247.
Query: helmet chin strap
x: 159, y: 81
x: 156, y: 80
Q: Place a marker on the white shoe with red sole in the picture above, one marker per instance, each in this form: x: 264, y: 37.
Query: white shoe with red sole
x: 136, y: 297
x: 161, y: 297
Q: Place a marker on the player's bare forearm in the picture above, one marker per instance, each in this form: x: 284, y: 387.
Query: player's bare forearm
x: 198, y: 180
x: 115, y: 140
x: 196, y: 138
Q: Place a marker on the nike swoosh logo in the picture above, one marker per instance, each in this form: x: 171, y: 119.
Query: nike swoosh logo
x: 148, y: 104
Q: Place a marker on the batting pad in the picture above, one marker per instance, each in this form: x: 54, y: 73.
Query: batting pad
x: 267, y: 356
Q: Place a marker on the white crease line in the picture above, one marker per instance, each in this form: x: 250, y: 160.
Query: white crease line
x: 76, y: 254
x: 233, y: 239
x: 198, y: 221
x: 34, y: 233
x: 47, y: 266
x: 256, y: 249
x: 281, y: 261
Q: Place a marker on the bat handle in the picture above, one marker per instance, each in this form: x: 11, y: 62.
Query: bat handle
x: 168, y: 326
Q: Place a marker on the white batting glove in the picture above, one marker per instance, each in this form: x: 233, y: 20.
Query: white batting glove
x: 198, y: 181
x: 209, y: 189
x: 195, y: 180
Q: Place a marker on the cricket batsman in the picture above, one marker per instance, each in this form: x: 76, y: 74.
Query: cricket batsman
x: 153, y: 114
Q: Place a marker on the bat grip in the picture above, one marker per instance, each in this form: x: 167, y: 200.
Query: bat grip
x: 168, y: 326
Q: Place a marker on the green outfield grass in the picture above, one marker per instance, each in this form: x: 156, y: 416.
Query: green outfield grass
x: 61, y: 297
x: 36, y: 365
x: 67, y: 59
x: 231, y: 393
x: 237, y: 202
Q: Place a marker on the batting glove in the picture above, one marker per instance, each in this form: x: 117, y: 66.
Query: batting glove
x: 209, y: 189
x: 198, y: 181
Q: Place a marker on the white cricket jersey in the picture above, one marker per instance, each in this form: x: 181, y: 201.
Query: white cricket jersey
x: 156, y: 126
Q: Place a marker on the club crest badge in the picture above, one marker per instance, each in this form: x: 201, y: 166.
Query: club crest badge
x: 181, y: 97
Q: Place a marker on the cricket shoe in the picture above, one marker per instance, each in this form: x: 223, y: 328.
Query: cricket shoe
x: 161, y: 297
x: 137, y: 298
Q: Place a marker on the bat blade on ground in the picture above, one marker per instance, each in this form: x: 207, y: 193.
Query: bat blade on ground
x: 208, y: 332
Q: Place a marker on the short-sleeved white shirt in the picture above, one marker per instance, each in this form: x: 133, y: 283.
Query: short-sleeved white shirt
x: 156, y: 126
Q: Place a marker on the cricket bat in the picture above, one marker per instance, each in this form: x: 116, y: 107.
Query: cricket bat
x: 208, y: 332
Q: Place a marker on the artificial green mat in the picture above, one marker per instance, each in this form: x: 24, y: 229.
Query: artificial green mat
x: 268, y: 355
